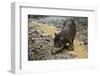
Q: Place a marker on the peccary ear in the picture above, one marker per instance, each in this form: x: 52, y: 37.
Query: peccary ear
x: 55, y: 34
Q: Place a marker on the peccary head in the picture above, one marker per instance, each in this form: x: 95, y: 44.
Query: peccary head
x: 58, y: 41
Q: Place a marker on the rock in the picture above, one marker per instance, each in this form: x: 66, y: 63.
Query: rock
x: 37, y: 31
x: 84, y: 42
x: 81, y: 43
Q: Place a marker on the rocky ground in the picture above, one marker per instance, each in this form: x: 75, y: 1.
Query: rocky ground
x: 41, y: 45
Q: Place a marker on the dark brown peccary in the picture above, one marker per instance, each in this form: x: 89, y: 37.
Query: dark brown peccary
x: 66, y: 36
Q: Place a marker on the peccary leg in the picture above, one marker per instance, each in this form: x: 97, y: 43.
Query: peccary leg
x: 65, y: 46
x: 71, y: 45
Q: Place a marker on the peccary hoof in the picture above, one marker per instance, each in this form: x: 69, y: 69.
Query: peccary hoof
x: 71, y: 49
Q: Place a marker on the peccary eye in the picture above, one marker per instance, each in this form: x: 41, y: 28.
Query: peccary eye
x: 61, y: 38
